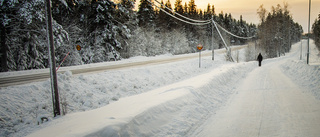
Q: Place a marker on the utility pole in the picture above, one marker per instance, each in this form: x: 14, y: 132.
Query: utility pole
x: 308, y: 52
x: 212, y: 40
x: 301, y: 50
x: 52, y: 62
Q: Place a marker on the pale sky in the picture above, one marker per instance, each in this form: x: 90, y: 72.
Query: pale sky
x: 248, y: 8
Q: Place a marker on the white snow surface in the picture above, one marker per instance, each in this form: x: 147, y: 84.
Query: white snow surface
x: 269, y: 103
x: 173, y: 99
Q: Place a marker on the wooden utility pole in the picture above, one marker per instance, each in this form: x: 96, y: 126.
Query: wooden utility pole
x: 212, y: 39
x: 52, y: 62
x: 308, y: 51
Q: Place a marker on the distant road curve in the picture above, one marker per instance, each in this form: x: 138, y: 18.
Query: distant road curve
x: 39, y: 76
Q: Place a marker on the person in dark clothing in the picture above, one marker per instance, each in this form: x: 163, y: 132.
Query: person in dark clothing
x: 260, y: 58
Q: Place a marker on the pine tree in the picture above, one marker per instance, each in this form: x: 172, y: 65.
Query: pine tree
x: 146, y: 14
x: 26, y: 44
x: 277, y: 30
x: 192, y: 8
x: 316, y: 32
x: 127, y: 22
x: 213, y: 10
x: 178, y: 7
x: 7, y: 18
x: 162, y: 17
x: 186, y: 11
x: 128, y: 4
x: 170, y: 21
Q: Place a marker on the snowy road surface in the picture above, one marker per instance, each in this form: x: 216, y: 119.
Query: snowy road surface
x: 267, y: 103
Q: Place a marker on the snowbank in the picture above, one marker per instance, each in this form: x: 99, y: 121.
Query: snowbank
x: 306, y: 76
x: 23, y: 106
x: 171, y: 110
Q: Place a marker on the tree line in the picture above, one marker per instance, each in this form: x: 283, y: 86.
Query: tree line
x: 277, y: 30
x: 316, y: 32
x: 108, y: 31
x: 105, y: 30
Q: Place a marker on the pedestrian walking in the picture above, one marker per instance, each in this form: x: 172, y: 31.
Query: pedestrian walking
x: 260, y: 58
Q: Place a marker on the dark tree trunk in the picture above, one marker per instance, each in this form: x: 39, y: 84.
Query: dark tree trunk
x: 4, y: 49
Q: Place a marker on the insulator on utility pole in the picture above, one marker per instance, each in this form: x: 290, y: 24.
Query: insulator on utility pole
x: 52, y: 62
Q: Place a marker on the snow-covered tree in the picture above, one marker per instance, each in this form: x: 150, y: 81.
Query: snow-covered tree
x: 277, y: 30
x: 162, y: 18
x: 105, y: 30
x: 7, y: 19
x: 126, y: 20
x: 146, y: 14
x: 316, y: 31
x: 26, y: 44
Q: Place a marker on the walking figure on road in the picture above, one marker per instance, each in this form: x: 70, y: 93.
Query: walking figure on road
x: 260, y: 58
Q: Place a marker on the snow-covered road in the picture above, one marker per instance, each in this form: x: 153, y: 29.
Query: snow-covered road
x: 267, y: 103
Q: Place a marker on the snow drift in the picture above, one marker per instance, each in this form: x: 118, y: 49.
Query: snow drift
x: 170, y: 110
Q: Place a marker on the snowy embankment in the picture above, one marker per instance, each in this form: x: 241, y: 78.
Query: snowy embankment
x: 23, y: 105
x: 170, y: 110
x: 304, y: 75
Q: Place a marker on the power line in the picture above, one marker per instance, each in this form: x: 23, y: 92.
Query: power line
x: 200, y: 21
x: 192, y: 23
x: 232, y: 33
x: 225, y: 44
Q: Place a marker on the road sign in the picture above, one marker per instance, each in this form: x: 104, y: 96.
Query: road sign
x: 78, y: 47
x: 199, y: 47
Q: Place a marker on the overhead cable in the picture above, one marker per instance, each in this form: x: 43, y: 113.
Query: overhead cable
x: 225, y: 44
x: 231, y: 33
x: 200, y: 21
x: 192, y: 23
x: 195, y: 22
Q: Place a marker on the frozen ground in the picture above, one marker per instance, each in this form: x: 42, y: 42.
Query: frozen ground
x: 174, y: 99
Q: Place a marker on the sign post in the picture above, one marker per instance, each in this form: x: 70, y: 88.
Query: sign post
x: 199, y: 47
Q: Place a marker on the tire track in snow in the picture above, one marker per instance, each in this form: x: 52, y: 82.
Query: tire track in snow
x: 263, y: 108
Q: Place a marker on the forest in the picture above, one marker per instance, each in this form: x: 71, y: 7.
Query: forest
x: 277, y: 30
x: 113, y: 30
x: 316, y: 31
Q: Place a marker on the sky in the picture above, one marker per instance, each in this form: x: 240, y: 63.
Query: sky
x: 299, y: 9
